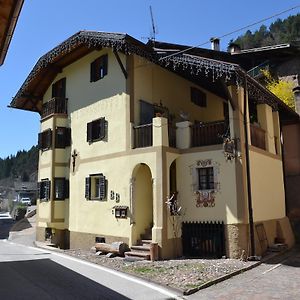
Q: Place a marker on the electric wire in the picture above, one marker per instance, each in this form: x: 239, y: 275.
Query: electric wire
x: 232, y: 32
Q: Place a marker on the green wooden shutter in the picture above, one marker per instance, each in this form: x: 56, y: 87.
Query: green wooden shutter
x: 102, y: 185
x: 88, y: 188
x: 102, y: 128
x: 67, y: 137
x: 89, y: 135
x: 93, y: 71
x: 39, y: 190
x: 66, y: 189
x: 47, y: 189
x: 104, y: 63
x: 48, y: 139
x: 40, y: 140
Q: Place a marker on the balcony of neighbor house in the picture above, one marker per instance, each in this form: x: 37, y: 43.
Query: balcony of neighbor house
x: 264, y: 128
x: 56, y: 105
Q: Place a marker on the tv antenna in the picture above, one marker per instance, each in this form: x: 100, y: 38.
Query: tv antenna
x: 154, y: 30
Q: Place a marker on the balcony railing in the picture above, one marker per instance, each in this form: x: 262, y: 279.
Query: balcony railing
x: 172, y: 136
x: 205, y: 134
x: 55, y: 106
x: 143, y: 136
x: 258, y: 137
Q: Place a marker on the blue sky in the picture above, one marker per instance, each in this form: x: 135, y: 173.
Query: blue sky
x: 44, y: 24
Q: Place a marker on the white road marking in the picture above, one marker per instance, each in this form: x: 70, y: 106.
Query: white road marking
x: 116, y: 273
x: 273, y: 268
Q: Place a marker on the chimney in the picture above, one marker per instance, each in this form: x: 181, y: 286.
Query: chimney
x: 296, y: 92
x: 234, y: 48
x: 215, y: 44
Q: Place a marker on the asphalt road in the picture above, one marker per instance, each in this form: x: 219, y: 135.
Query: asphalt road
x: 29, y: 273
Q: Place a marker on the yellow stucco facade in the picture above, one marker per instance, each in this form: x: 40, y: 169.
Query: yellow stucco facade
x: 139, y: 178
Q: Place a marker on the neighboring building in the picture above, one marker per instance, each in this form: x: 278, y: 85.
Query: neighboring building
x: 126, y: 127
x: 9, y: 14
x: 26, y: 190
x: 284, y: 62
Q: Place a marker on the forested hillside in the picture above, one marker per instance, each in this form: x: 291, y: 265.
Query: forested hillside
x: 280, y: 31
x: 21, y: 165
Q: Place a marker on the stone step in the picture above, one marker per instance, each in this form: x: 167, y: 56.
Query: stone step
x: 146, y: 241
x: 146, y: 236
x: 142, y: 254
x: 141, y: 248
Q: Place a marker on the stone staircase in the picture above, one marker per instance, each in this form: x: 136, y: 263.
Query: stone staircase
x: 141, y: 251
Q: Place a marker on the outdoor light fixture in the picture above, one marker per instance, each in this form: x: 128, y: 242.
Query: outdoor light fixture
x: 296, y: 92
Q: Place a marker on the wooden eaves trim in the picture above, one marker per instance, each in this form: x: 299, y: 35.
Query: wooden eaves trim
x: 9, y: 26
x: 188, y: 66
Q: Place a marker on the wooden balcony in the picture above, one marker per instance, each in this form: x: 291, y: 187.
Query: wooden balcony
x: 258, y: 137
x: 55, y: 106
x: 205, y: 134
x: 172, y: 136
x: 143, y: 136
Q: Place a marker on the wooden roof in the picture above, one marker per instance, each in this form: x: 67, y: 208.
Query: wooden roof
x: 9, y: 13
x: 211, y: 74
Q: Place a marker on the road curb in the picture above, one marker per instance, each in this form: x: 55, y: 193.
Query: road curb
x: 227, y: 276
x: 220, y: 279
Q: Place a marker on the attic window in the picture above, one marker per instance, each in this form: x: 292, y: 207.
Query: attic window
x: 198, y: 97
x: 99, y: 68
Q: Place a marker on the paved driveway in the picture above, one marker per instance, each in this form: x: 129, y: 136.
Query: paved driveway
x: 277, y: 279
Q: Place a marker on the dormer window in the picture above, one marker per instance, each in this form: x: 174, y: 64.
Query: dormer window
x: 99, y: 68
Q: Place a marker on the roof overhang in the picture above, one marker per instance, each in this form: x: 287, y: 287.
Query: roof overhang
x: 211, y: 74
x: 9, y: 14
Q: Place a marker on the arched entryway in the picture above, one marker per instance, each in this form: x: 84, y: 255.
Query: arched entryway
x: 142, y: 203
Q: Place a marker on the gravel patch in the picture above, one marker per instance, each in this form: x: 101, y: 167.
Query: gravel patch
x: 183, y: 274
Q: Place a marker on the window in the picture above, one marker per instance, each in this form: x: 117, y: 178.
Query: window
x: 44, y: 189
x: 206, y: 178
x: 198, y: 97
x: 96, y: 130
x: 61, y: 188
x: 45, y: 140
x: 99, y: 68
x: 62, y: 137
x: 59, y: 88
x: 95, y: 187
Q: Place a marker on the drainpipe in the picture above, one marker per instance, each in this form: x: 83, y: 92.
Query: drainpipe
x: 250, y: 209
